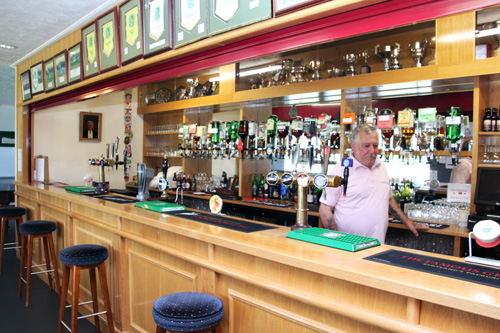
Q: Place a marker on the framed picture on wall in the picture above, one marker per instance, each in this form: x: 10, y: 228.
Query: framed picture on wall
x: 48, y: 77
x: 90, y: 50
x: 75, y: 63
x: 36, y: 72
x: 157, y: 26
x: 131, y: 30
x: 61, y: 70
x: 109, y: 41
x: 90, y: 126
x: 26, y: 85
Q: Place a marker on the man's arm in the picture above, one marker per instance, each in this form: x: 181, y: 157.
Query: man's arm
x: 398, y: 213
x: 326, y: 215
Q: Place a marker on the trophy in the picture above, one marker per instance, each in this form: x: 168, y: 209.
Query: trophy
x: 335, y: 72
x: 297, y: 72
x: 396, y: 52
x: 385, y: 54
x: 417, y: 50
x: 365, y: 54
x: 191, y: 84
x: 286, y: 67
x: 351, y: 59
x: 316, y: 65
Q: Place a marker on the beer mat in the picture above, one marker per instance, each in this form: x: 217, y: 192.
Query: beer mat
x: 116, y: 199
x: 430, y: 224
x: 449, y: 268
x: 222, y: 221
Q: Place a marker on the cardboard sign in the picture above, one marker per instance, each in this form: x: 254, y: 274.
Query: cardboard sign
x: 458, y: 193
x: 405, y: 118
x: 385, y: 121
x: 348, y: 118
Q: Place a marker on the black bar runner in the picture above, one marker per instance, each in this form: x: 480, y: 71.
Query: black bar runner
x: 222, y: 221
x: 453, y: 269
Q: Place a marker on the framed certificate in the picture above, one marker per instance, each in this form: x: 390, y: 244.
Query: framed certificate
x: 157, y: 26
x: 26, y: 85
x: 61, y: 69
x: 36, y: 72
x: 109, y: 41
x: 282, y: 7
x: 232, y: 14
x: 90, y: 50
x: 190, y: 21
x: 48, y: 77
x: 75, y: 63
x: 131, y: 30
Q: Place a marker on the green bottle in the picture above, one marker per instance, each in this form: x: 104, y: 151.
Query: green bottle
x: 255, y: 186
x: 215, y: 132
x: 453, y: 124
x: 396, y: 194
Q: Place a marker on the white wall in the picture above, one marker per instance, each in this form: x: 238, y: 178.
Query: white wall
x: 7, y: 154
x: 56, y: 135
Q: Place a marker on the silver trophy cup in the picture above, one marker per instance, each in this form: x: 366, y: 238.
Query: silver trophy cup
x: 417, y: 50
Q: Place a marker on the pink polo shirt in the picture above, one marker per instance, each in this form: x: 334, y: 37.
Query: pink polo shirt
x: 365, y: 209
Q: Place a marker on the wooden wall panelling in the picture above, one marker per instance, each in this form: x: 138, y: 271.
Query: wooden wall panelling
x: 163, y: 274
x: 86, y: 233
x: 455, y: 38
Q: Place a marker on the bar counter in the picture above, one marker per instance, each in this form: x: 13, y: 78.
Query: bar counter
x: 268, y: 283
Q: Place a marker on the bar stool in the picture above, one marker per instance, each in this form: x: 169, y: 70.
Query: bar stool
x: 6, y: 214
x: 28, y: 232
x: 188, y: 312
x: 76, y: 258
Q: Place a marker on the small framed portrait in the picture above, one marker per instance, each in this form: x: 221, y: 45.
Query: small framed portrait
x: 49, y: 76
x: 61, y: 70
x: 26, y: 85
x: 90, y: 126
x: 75, y: 63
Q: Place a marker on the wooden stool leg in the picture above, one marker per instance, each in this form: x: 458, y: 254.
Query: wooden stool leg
x: 21, y: 264
x: 29, y: 263
x: 105, y: 292
x: 3, y: 222
x: 47, y: 259
x: 76, y: 291
x: 19, y: 220
x: 160, y: 330
x: 63, y: 295
x: 95, y: 304
x: 56, y: 268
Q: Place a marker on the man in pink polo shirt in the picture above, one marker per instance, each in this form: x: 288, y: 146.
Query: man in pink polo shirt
x: 364, y: 210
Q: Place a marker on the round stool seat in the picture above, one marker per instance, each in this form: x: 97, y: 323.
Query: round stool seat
x: 37, y: 227
x: 83, y: 255
x: 188, y: 311
x: 12, y: 211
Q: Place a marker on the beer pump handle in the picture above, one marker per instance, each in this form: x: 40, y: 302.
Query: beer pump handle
x: 346, y: 179
x: 124, y: 162
x: 346, y: 163
x: 165, y: 166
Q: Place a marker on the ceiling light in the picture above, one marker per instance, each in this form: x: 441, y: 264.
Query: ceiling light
x: 7, y: 46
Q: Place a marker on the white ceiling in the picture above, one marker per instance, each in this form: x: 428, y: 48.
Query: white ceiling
x: 32, y: 25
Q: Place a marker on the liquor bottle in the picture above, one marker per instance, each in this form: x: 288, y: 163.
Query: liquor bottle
x: 396, y: 194
x: 193, y: 184
x: 188, y: 183
x: 494, y: 120
x: 255, y: 186
x: 487, y: 120
x: 272, y: 125
x: 276, y: 192
x: 284, y: 193
x: 335, y: 134
x: 215, y: 132
x: 179, y: 181
x: 453, y: 124
x: 234, y: 130
x: 183, y: 181
x: 243, y: 133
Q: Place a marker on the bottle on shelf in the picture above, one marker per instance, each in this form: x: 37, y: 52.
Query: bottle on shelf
x: 255, y: 186
x: 193, y: 184
x: 495, y: 126
x: 174, y: 181
x: 188, y: 183
x: 487, y: 120
x: 261, y: 187
x: 453, y: 124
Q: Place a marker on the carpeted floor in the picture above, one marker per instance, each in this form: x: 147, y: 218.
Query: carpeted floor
x: 42, y: 314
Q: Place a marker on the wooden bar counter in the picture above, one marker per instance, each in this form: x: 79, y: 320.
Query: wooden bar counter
x: 268, y: 283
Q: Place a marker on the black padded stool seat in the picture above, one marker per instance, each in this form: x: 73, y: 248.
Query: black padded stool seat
x: 78, y: 257
x: 188, y: 312
x: 28, y: 231
x: 9, y: 213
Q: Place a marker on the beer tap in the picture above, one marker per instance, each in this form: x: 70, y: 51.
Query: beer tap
x: 303, y: 180
x: 101, y: 186
x: 117, y: 155
x: 163, y: 183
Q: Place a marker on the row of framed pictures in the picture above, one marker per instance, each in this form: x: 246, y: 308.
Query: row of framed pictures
x: 140, y: 28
